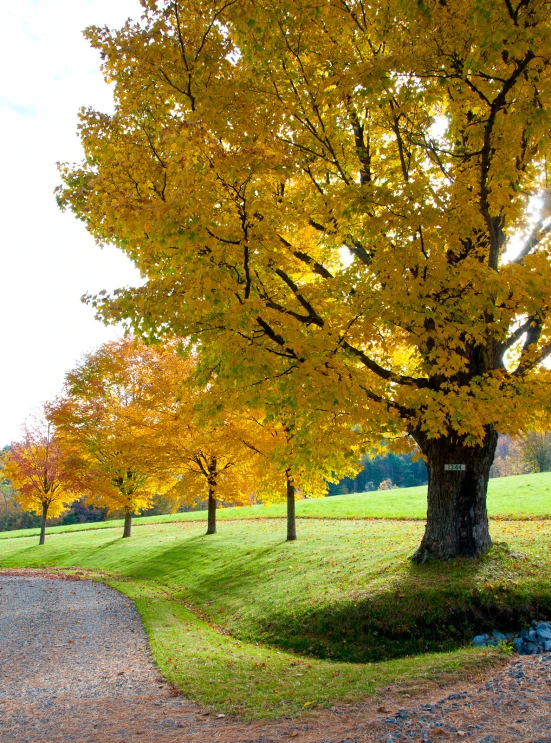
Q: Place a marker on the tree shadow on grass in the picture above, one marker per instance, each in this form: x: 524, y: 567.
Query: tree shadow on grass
x: 434, y: 608
x: 238, y: 569
x: 430, y: 608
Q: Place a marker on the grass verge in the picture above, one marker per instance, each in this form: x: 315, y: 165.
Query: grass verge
x: 247, y: 623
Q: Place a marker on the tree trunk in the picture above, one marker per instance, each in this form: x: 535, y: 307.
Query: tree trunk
x: 457, y: 521
x: 127, y: 523
x: 291, y: 520
x: 42, y: 539
x: 211, y: 523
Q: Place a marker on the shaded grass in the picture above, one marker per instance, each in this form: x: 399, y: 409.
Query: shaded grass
x: 262, y: 682
x: 514, y: 498
x: 335, y: 615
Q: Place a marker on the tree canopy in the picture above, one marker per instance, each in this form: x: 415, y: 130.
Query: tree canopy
x: 43, y: 473
x: 94, y: 416
x: 323, y: 194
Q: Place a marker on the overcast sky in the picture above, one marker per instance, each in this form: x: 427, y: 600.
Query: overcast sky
x: 47, y: 259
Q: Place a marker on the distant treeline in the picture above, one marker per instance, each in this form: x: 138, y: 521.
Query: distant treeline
x: 529, y: 452
x: 383, y: 473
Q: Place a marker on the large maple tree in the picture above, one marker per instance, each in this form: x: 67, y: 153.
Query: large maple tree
x: 325, y: 192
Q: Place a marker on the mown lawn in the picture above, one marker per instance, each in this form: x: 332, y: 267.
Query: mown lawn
x: 250, y: 624
x: 519, y: 497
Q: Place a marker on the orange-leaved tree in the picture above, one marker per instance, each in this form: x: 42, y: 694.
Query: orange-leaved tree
x: 94, y: 415
x: 190, y: 436
x: 43, y: 471
x: 211, y: 463
x: 326, y: 192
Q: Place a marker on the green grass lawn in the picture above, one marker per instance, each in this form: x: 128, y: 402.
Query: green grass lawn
x: 519, y: 497
x: 247, y: 623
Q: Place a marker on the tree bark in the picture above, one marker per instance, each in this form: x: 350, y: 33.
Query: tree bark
x: 42, y: 539
x: 291, y: 520
x: 127, y: 531
x: 211, y: 523
x: 457, y: 521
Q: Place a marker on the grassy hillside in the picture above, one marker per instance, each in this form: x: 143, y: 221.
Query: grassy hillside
x: 248, y: 623
x: 520, y: 497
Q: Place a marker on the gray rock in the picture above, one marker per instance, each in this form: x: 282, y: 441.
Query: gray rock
x: 531, y: 641
x: 543, y: 633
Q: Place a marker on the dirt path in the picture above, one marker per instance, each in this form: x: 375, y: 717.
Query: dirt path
x: 75, y: 668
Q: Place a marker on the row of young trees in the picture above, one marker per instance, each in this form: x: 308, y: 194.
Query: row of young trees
x: 133, y: 422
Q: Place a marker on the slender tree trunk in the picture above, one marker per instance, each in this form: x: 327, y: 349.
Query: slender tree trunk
x: 291, y: 520
x: 43, y: 518
x: 457, y: 521
x: 211, y: 524
x: 127, y: 531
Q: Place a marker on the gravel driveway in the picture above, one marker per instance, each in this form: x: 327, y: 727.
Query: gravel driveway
x: 75, y: 665
x: 75, y: 668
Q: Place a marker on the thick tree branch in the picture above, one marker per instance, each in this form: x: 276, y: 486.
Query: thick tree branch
x: 358, y: 250
x: 362, y: 147
x: 385, y: 374
x: 493, y: 223
x: 278, y: 339
x: 305, y: 258
x: 312, y: 314
x: 529, y: 357
x: 536, y: 236
x: 516, y: 335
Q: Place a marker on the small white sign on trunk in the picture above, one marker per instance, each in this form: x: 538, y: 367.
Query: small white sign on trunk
x: 455, y: 467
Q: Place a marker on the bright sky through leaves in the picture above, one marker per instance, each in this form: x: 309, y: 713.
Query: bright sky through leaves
x: 47, y: 258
